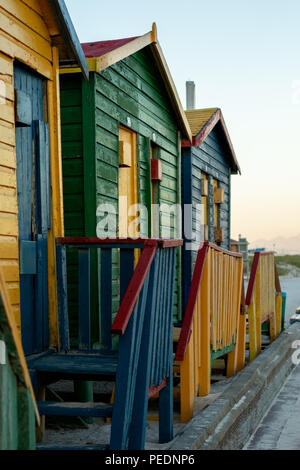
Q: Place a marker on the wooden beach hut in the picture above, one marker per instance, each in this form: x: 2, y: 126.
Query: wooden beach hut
x: 121, y: 141
x: 37, y: 37
x: 207, y: 165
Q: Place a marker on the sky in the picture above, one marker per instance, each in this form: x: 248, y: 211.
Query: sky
x: 244, y: 57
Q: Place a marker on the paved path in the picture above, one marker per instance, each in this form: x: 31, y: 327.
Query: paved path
x: 280, y: 427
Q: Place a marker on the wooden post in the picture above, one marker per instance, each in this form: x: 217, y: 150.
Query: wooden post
x: 242, y: 333
x: 236, y: 356
x: 278, y: 312
x: 187, y: 383
x: 205, y: 367
x: 258, y: 301
x: 252, y: 329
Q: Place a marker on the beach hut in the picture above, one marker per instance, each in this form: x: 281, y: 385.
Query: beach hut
x: 37, y: 37
x: 207, y: 165
x: 121, y: 146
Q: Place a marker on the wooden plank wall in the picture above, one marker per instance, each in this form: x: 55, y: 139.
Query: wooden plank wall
x: 132, y: 89
x: 24, y: 37
x: 210, y: 158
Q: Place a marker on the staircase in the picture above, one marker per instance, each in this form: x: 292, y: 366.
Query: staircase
x: 143, y: 362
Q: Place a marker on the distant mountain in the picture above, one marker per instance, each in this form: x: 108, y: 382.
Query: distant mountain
x: 282, y: 245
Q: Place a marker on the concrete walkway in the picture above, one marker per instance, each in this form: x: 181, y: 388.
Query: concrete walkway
x: 280, y: 427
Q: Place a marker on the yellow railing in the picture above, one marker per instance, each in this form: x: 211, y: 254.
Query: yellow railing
x: 213, y: 325
x: 264, y: 300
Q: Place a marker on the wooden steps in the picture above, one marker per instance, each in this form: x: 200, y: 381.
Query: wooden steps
x: 76, y: 365
x: 70, y: 448
x: 53, y: 408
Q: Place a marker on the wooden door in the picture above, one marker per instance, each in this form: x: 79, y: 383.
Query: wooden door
x: 33, y: 186
x: 128, y: 194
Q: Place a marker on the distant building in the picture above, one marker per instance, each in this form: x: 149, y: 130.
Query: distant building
x: 234, y: 245
x: 241, y: 246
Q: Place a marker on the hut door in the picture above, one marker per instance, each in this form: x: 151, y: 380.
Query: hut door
x: 33, y: 173
x: 128, y: 195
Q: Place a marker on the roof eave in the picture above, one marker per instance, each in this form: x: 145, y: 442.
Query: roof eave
x: 97, y: 64
x: 69, y: 35
x: 171, y: 89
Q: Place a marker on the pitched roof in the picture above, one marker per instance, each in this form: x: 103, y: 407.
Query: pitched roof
x: 98, y: 49
x: 102, y: 54
x: 70, y: 50
x: 202, y: 122
x: 198, y: 118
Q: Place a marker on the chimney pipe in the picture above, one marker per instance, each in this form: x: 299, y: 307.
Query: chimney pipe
x: 190, y: 95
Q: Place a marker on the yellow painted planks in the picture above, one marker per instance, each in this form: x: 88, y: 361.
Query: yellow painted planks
x: 57, y: 221
x: 187, y: 396
x: 7, y: 133
x: 26, y: 15
x: 10, y: 272
x: 13, y: 48
x: 8, y: 224
x: 34, y: 5
x: 7, y: 156
x: 6, y: 65
x: 24, y: 35
x: 7, y: 177
x: 204, y: 293
x: 7, y: 112
x: 9, y: 250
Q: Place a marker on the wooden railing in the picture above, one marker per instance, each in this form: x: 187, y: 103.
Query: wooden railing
x: 143, y: 322
x: 263, y: 300
x: 213, y: 325
x: 17, y: 400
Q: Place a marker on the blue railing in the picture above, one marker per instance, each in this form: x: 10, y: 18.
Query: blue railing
x: 143, y: 322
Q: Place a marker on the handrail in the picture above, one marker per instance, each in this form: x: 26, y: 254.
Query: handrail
x: 17, y: 342
x: 135, y: 284
x: 213, y: 325
x: 263, y: 300
x: 137, y: 281
x: 86, y: 241
x: 190, y: 308
x: 253, y: 274
x: 186, y: 329
x: 134, y: 288
x: 252, y: 278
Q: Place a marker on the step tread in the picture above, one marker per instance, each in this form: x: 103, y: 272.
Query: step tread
x: 43, y: 446
x: 53, y: 408
x: 69, y: 364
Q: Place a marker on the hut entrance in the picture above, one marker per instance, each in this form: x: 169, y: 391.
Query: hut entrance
x: 33, y: 173
x: 128, y: 195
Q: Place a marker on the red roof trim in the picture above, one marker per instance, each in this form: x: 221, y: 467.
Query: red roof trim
x: 99, y: 48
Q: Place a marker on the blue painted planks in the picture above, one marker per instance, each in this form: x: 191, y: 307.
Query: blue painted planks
x: 50, y: 408
x: 106, y: 297
x: 140, y: 407
x: 62, y: 297
x: 32, y: 149
x: 84, y: 298
x: 126, y: 378
x: 74, y: 364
